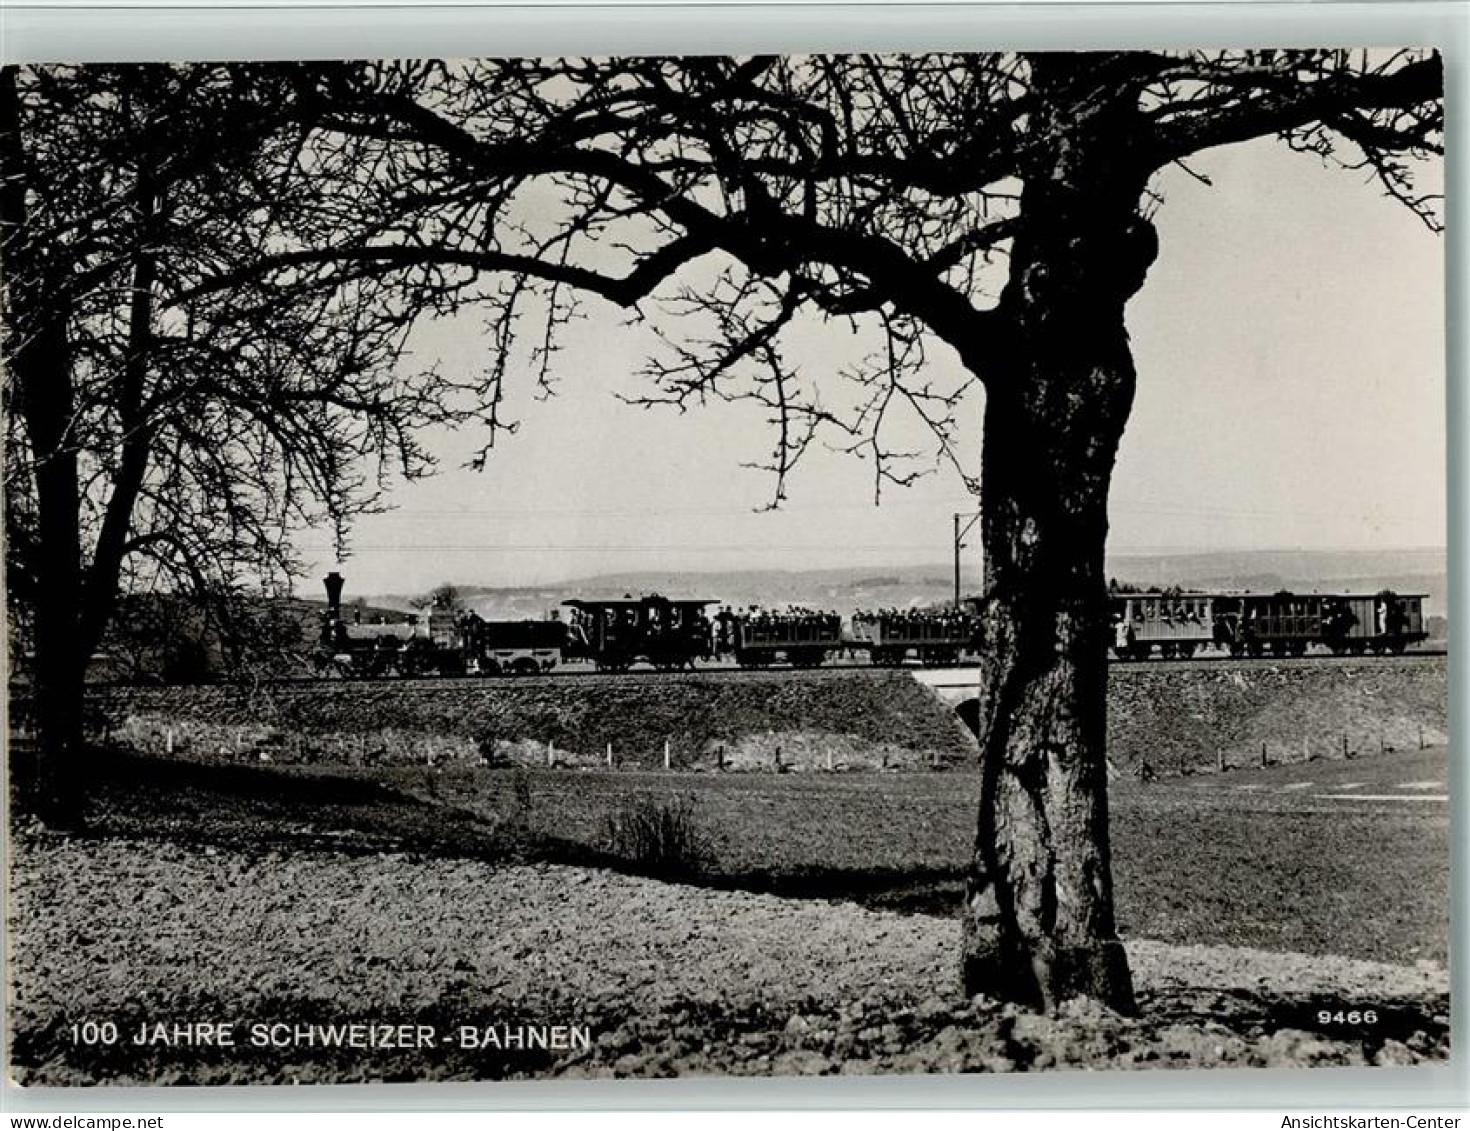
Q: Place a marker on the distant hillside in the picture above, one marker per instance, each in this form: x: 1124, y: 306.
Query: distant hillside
x: 847, y: 588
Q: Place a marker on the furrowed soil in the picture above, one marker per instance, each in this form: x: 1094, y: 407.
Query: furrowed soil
x: 665, y: 979
x: 1260, y: 925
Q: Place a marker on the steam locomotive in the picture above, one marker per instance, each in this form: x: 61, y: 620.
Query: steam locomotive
x: 442, y: 642
x: 676, y: 634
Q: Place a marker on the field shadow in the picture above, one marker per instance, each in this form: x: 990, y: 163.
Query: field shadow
x: 135, y: 796
x: 272, y: 807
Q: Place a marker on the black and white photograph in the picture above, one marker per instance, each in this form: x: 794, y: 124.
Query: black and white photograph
x: 644, y: 566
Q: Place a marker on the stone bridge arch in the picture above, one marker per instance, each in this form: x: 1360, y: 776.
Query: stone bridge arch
x: 959, y: 687
x: 968, y: 712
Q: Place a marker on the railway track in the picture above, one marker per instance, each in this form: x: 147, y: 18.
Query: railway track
x: 830, y: 670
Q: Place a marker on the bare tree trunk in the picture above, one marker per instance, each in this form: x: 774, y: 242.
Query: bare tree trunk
x: 1039, y: 922
x: 38, y: 351
x: 43, y: 375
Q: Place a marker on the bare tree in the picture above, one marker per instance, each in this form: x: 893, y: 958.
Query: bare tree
x: 991, y: 206
x: 158, y: 442
x: 445, y: 596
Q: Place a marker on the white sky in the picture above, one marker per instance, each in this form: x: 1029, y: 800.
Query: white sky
x: 1290, y: 349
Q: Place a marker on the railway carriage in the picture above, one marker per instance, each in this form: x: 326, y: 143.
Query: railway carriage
x: 803, y: 640
x: 1174, y: 623
x: 1385, y: 622
x: 615, y: 635
x: 1281, y: 624
x: 1289, y: 624
x: 523, y: 647
x: 931, y: 636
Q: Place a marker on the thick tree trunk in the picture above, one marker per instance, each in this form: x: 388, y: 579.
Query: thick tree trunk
x: 43, y: 376
x: 1039, y: 923
x: 38, y: 352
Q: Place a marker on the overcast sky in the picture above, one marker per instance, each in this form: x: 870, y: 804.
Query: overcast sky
x: 1290, y: 348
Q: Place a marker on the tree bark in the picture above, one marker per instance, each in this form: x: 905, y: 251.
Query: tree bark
x: 42, y: 373
x: 38, y: 352
x: 1039, y: 926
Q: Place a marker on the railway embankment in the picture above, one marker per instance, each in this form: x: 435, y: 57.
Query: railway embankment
x: 777, y: 721
x: 1170, y: 718
x: 1194, y: 717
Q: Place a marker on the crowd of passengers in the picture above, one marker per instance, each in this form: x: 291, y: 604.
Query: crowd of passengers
x: 659, y: 618
x: 793, y: 620
x: 899, y: 620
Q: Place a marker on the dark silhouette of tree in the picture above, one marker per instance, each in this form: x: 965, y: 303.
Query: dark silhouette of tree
x: 158, y: 442
x: 444, y: 596
x: 995, y: 204
x: 992, y: 206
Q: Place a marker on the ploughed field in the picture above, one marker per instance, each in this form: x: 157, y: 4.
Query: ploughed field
x: 1267, y: 913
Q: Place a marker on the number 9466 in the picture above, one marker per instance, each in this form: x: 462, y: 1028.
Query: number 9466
x: 1347, y: 1017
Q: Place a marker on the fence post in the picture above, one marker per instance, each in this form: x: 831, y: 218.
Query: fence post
x: 1306, y: 749
x: 829, y: 759
x: 720, y: 756
x: 609, y: 755
x: 778, y: 759
x: 1421, y: 736
x: 1263, y: 756
x: 667, y: 758
x: 551, y: 753
x: 1345, y: 754
x: 1219, y: 760
x: 168, y: 739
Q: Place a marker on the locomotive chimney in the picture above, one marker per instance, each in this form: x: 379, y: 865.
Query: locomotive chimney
x: 334, y: 582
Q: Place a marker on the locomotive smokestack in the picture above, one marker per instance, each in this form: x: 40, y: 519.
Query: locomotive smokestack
x: 334, y: 582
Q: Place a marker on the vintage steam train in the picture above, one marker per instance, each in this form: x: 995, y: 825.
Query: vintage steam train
x: 442, y: 641
x: 675, y: 634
